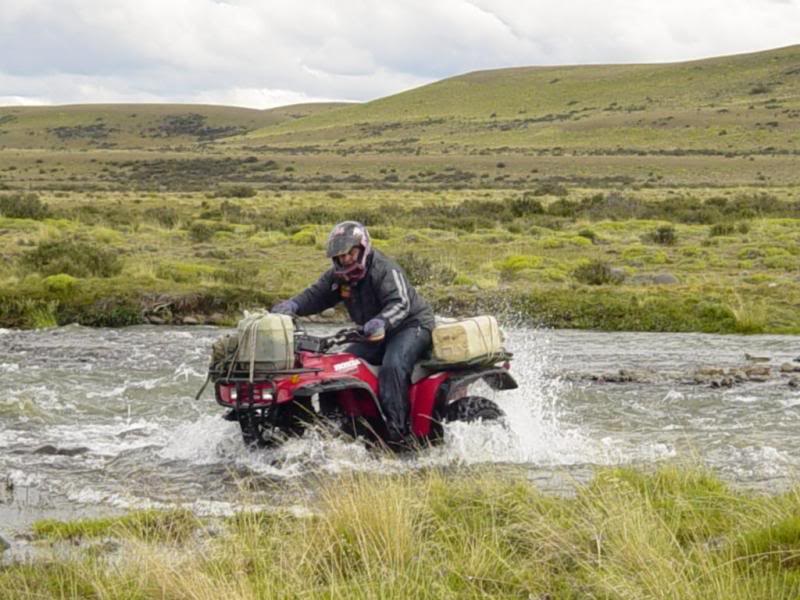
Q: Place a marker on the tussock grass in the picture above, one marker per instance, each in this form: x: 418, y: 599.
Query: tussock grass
x: 466, y: 251
x: 675, y: 532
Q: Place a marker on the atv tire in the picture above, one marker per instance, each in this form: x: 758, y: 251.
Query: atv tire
x: 472, y: 408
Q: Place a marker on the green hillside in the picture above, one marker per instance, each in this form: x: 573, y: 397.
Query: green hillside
x: 738, y: 103
x: 718, y: 122
x: 107, y: 126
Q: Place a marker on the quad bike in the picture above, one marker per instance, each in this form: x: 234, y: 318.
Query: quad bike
x: 340, y: 390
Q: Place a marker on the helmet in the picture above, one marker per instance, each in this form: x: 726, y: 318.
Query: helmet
x: 344, y: 237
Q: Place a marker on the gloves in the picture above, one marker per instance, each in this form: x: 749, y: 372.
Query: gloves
x: 375, y: 329
x: 287, y: 307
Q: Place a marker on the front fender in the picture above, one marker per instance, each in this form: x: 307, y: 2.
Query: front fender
x: 333, y: 385
x: 341, y: 384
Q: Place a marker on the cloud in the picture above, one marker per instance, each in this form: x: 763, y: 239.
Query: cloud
x: 261, y: 52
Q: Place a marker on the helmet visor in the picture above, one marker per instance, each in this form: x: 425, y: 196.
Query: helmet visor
x: 341, y: 244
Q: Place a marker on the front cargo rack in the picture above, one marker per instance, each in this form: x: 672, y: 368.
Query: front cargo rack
x: 225, y: 375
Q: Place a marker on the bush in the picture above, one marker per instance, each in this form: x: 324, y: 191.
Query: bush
x: 72, y: 257
x: 304, y: 237
x: 510, y: 266
x: 200, y: 232
x: 183, y: 272
x: 421, y: 270
x: 522, y: 207
x: 563, y: 208
x: 664, y: 235
x: 550, y: 188
x: 718, y: 229
x: 597, y: 272
x: 589, y: 235
x: 238, y: 274
x: 23, y: 206
x: 60, y: 284
x: 236, y: 191
x: 166, y: 216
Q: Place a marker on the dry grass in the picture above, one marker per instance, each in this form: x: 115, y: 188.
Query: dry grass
x: 673, y: 533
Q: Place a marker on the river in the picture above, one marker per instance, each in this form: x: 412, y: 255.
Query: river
x: 96, y: 421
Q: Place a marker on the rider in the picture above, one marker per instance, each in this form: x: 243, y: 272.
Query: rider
x: 396, y: 320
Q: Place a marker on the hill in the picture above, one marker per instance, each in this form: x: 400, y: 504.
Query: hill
x: 695, y: 123
x: 744, y: 103
x: 128, y: 126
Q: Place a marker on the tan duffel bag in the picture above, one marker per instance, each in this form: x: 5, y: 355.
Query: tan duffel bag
x: 467, y: 340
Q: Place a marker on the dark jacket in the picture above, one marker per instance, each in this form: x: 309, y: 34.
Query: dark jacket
x: 384, y: 292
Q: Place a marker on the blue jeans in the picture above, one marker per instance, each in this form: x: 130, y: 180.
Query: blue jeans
x: 396, y: 355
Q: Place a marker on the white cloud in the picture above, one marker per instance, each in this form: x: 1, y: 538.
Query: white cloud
x: 259, y: 52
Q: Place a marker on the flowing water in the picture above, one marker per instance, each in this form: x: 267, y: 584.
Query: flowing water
x: 94, y: 421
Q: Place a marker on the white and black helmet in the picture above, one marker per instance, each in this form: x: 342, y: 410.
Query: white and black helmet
x: 344, y: 237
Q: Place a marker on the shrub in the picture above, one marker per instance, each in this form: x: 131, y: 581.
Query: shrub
x: 421, y: 269
x: 238, y: 274
x: 236, y: 191
x: 522, y: 207
x: 718, y: 229
x: 304, y: 237
x: 550, y: 188
x: 166, y: 216
x: 589, y: 235
x: 563, y: 208
x: 183, y: 272
x: 200, y: 232
x: 597, y: 272
x: 72, y: 257
x: 23, y: 206
x: 60, y: 284
x: 511, y: 266
x: 664, y: 235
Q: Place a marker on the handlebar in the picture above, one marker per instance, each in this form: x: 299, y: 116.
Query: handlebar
x: 322, y: 344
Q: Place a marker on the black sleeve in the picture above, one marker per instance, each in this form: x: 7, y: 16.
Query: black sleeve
x: 317, y: 297
x: 395, y: 302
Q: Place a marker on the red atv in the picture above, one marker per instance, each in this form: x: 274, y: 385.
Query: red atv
x: 340, y: 389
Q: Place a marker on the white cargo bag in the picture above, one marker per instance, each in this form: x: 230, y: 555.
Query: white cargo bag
x: 266, y: 342
x: 467, y: 340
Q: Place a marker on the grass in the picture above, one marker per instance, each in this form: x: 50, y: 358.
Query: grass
x: 112, y: 258
x: 676, y: 532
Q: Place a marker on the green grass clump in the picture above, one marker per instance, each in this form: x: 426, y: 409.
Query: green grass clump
x: 23, y: 206
x: 72, y: 257
x: 174, y: 526
x: 60, y: 284
x: 511, y: 266
x: 597, y: 272
x: 184, y: 272
x: 674, y: 532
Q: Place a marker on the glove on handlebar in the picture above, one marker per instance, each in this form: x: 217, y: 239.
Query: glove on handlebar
x: 375, y: 328
x: 287, y: 307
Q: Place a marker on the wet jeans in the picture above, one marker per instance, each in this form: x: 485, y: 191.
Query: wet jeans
x: 396, y: 355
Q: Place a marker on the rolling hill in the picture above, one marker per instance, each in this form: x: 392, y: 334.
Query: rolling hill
x: 693, y: 123
x: 128, y: 126
x: 747, y: 102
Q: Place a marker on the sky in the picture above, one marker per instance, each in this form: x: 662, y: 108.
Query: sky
x: 267, y: 53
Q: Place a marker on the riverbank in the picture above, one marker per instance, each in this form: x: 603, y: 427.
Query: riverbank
x: 656, y: 308
x: 704, y: 260
x: 675, y: 532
